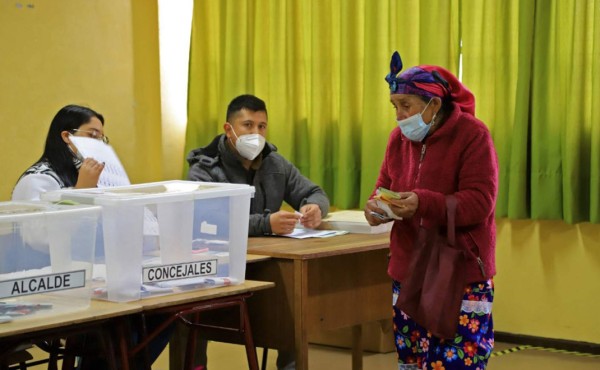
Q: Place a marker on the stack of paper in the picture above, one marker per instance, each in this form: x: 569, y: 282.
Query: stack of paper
x: 353, y: 221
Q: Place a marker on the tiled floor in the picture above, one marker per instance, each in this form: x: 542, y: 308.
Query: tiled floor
x: 233, y: 357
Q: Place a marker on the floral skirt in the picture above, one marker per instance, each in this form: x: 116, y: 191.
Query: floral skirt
x: 470, y: 348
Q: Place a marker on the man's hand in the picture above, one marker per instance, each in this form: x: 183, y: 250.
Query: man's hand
x: 89, y: 173
x: 374, y: 214
x: 283, y: 222
x: 311, y: 216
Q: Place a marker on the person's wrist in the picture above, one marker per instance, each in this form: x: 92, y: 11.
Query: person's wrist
x: 268, y: 226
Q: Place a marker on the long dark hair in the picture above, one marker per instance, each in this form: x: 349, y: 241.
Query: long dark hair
x: 56, y: 151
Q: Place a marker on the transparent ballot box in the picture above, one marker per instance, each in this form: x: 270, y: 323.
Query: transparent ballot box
x: 169, y: 236
x: 46, y: 258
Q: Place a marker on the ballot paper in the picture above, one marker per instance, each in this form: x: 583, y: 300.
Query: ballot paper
x: 113, y: 174
x: 388, y: 210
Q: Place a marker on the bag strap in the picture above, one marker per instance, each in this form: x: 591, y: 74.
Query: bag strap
x: 451, y: 214
x: 451, y: 204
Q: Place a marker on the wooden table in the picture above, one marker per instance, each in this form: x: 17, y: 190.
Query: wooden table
x: 96, y: 318
x: 98, y: 311
x: 326, y: 283
x: 106, y: 314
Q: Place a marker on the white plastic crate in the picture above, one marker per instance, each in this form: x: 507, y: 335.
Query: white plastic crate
x: 169, y: 236
x: 46, y: 256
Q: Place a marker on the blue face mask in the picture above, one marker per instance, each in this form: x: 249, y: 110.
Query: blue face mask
x: 414, y: 128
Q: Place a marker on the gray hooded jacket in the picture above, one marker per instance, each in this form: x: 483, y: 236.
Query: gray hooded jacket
x: 275, y: 181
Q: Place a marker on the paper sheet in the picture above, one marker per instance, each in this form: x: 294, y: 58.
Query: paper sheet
x: 383, y: 205
x: 300, y: 233
x: 113, y: 174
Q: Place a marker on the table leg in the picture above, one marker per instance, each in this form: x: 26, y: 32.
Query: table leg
x: 68, y: 362
x: 53, y: 361
x: 248, y: 340
x: 357, y: 347
x: 190, y: 350
x: 177, y: 346
x: 106, y: 336
x: 300, y: 299
x: 122, y: 334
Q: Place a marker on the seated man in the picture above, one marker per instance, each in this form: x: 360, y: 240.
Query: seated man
x: 242, y: 156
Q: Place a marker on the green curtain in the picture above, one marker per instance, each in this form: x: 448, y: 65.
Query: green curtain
x: 574, y: 29
x: 534, y: 67
x: 497, y: 50
x: 319, y: 66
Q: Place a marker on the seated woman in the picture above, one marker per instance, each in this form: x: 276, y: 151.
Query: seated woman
x: 60, y: 166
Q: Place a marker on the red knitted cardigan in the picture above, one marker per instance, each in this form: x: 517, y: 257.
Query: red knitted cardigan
x: 459, y: 158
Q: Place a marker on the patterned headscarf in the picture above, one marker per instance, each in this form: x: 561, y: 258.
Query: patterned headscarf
x: 429, y: 81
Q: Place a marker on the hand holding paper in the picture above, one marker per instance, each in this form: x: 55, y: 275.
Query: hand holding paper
x: 406, y: 206
x: 397, y: 205
x: 383, y: 198
x: 283, y: 222
x: 89, y: 173
x: 113, y: 173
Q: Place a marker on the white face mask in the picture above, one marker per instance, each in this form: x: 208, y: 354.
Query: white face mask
x: 414, y: 128
x: 75, y: 152
x: 250, y: 145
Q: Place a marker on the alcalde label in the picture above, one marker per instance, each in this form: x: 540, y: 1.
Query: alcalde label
x: 179, y: 271
x: 42, y: 284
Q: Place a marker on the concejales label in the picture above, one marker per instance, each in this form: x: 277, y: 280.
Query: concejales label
x: 179, y: 271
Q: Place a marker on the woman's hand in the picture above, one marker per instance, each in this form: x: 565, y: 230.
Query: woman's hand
x: 374, y: 214
x: 283, y: 222
x: 311, y: 216
x: 406, y: 206
x: 89, y: 173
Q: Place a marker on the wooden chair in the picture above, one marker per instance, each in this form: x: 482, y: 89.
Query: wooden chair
x: 190, y: 316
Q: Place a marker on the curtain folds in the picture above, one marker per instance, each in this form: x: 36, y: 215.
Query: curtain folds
x: 531, y: 66
x: 534, y: 67
x: 497, y: 50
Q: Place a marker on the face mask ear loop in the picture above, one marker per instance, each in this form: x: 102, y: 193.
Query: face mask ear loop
x: 232, y: 130
x: 434, y: 115
x: 70, y: 142
x: 75, y: 152
x: 426, y: 105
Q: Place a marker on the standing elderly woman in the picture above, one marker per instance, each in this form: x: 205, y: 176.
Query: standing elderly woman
x: 440, y: 148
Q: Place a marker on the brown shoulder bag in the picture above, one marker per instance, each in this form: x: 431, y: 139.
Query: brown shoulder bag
x: 432, y: 293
